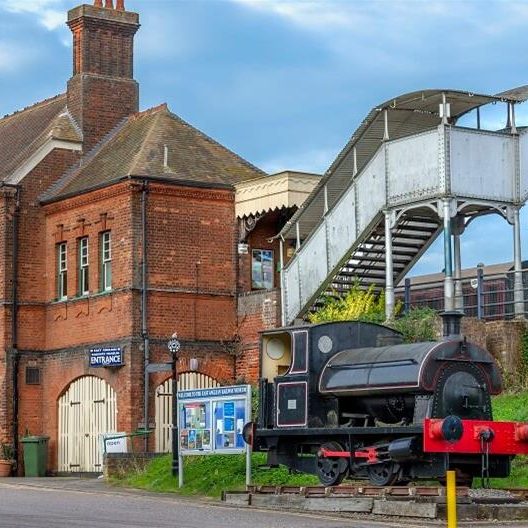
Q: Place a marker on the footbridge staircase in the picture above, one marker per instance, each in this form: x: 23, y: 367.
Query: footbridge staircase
x: 410, y: 173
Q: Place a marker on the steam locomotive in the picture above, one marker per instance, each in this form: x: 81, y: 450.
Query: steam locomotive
x: 351, y: 400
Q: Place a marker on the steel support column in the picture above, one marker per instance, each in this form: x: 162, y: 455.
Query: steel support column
x: 298, y: 237
x: 518, y: 293
x: 389, y: 269
x: 283, y: 291
x: 459, y: 293
x: 459, y: 299
x: 449, y: 292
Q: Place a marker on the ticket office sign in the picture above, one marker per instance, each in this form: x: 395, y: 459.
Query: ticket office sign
x: 212, y: 420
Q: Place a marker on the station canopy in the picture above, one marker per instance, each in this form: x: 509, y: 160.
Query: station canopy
x: 408, y: 114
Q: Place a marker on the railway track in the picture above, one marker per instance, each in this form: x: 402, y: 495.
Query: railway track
x: 516, y: 494
x: 427, y: 502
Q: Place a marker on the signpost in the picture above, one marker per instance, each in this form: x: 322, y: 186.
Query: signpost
x: 174, y: 347
x: 211, y: 421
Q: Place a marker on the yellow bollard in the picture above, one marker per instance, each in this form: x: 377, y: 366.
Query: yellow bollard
x: 451, y: 500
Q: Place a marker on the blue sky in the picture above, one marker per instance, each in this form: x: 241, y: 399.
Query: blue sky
x: 285, y: 83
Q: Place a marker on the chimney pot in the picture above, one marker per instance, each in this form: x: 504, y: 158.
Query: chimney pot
x: 120, y: 5
x: 109, y: 4
x: 98, y: 3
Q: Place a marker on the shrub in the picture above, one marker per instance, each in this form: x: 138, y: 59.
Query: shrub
x: 356, y: 304
x: 419, y: 324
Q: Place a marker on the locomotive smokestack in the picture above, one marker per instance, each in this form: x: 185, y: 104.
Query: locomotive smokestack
x: 451, y: 323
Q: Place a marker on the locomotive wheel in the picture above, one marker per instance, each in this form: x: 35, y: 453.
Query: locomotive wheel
x: 331, y: 471
x: 383, y: 474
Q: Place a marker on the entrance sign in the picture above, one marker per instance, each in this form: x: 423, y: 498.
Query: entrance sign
x: 106, y: 357
x: 212, y: 421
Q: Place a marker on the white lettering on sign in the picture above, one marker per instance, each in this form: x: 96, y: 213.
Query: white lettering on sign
x: 211, y: 393
x: 106, y: 357
x: 292, y: 405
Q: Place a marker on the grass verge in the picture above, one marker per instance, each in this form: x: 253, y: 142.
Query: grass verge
x: 209, y: 475
x: 512, y: 408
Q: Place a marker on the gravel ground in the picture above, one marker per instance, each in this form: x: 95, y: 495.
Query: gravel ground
x: 483, y: 493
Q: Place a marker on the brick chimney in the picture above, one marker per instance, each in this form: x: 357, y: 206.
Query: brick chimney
x: 102, y: 90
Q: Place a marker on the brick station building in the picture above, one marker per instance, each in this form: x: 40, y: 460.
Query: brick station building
x: 117, y: 229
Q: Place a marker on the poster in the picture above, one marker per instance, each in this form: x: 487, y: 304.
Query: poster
x: 230, y: 416
x: 195, y: 424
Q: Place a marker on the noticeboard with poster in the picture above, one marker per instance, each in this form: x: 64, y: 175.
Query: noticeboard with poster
x: 212, y: 420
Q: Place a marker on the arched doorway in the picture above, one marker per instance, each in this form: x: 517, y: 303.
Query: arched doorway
x: 186, y: 381
x: 87, y: 409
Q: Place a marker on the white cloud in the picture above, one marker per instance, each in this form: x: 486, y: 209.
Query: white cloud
x: 335, y: 15
x: 310, y: 14
x: 50, y: 12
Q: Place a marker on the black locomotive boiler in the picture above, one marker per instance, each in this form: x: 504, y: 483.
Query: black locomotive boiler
x: 350, y: 400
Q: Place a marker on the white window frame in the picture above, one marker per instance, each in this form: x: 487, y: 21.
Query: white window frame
x: 62, y: 271
x: 106, y: 261
x: 84, y: 266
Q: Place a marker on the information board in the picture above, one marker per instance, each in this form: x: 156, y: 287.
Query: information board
x: 212, y: 420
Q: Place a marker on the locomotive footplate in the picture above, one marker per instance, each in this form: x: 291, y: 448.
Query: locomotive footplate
x: 345, y: 432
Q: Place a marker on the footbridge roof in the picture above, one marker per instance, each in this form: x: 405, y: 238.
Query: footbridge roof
x: 407, y: 114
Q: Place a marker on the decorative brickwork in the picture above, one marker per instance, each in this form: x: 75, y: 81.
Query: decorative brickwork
x: 102, y: 91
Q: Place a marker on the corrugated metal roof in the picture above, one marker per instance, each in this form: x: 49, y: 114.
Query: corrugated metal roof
x: 408, y: 114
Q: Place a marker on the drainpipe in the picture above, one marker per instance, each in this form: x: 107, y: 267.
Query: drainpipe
x: 144, y: 327
x: 14, y: 317
x: 237, y: 240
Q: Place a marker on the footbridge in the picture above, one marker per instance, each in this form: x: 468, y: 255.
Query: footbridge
x: 409, y: 173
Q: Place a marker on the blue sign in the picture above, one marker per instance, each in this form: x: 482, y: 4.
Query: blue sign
x: 212, y: 393
x: 106, y: 357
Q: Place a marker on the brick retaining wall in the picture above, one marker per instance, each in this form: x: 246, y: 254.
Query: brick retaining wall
x: 117, y: 465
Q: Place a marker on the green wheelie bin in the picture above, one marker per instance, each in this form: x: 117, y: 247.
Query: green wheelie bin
x: 35, y: 455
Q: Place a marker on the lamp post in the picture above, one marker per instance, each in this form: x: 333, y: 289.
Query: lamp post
x: 174, y: 347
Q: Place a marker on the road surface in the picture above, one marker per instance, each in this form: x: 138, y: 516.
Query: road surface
x: 70, y: 503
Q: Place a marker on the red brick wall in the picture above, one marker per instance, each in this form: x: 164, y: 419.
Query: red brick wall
x: 31, y: 269
x: 191, y: 261
x: 257, y: 311
x: 5, y: 314
x: 98, y: 104
x: 100, y: 316
x: 189, y: 230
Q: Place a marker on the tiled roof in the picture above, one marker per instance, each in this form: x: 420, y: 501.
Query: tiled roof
x: 23, y: 132
x: 138, y: 146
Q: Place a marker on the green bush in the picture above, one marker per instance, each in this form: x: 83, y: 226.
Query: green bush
x: 419, y: 324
